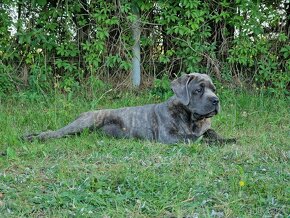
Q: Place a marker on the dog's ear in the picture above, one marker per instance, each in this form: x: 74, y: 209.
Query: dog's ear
x: 180, y: 88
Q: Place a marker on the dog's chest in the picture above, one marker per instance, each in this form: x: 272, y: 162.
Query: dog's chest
x: 201, y: 126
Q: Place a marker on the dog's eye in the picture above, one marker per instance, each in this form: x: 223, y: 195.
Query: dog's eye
x: 198, y: 90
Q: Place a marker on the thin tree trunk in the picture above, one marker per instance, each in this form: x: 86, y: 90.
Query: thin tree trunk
x: 136, y: 71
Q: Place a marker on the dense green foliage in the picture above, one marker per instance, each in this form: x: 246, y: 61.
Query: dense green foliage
x: 92, y: 175
x: 48, y: 44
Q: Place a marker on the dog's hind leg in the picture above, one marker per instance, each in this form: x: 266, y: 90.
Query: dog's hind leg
x: 84, y: 121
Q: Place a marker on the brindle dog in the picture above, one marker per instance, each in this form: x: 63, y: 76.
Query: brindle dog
x: 185, y: 116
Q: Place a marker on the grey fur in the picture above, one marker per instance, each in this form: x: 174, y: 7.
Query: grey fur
x: 185, y: 116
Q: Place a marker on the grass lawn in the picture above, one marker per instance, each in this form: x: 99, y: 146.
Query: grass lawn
x: 93, y: 175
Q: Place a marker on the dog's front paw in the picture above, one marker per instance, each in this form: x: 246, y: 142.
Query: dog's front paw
x: 230, y: 141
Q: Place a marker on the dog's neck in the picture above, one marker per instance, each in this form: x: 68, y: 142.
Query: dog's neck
x: 178, y: 110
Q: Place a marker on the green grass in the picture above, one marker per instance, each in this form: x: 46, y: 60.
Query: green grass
x: 92, y: 175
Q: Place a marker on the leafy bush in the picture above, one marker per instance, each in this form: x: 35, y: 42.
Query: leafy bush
x: 161, y: 88
x: 70, y: 41
x: 6, y: 84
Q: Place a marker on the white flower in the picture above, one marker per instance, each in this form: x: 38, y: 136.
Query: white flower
x: 39, y: 50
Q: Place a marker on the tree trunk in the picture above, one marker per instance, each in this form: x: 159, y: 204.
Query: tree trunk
x: 136, y: 70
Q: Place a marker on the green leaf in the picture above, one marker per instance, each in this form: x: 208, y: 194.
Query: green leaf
x: 41, y: 2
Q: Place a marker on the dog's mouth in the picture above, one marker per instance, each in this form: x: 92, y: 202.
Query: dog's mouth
x: 211, y: 114
x: 208, y: 115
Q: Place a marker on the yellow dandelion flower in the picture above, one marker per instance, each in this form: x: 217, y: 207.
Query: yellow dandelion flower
x: 241, y: 183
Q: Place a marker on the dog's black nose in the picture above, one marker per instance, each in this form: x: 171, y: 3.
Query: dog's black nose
x: 215, y: 100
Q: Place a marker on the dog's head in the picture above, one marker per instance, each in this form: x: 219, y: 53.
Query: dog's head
x: 197, y: 93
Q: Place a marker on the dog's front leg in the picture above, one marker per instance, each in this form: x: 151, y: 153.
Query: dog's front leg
x: 190, y: 138
x: 211, y: 137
